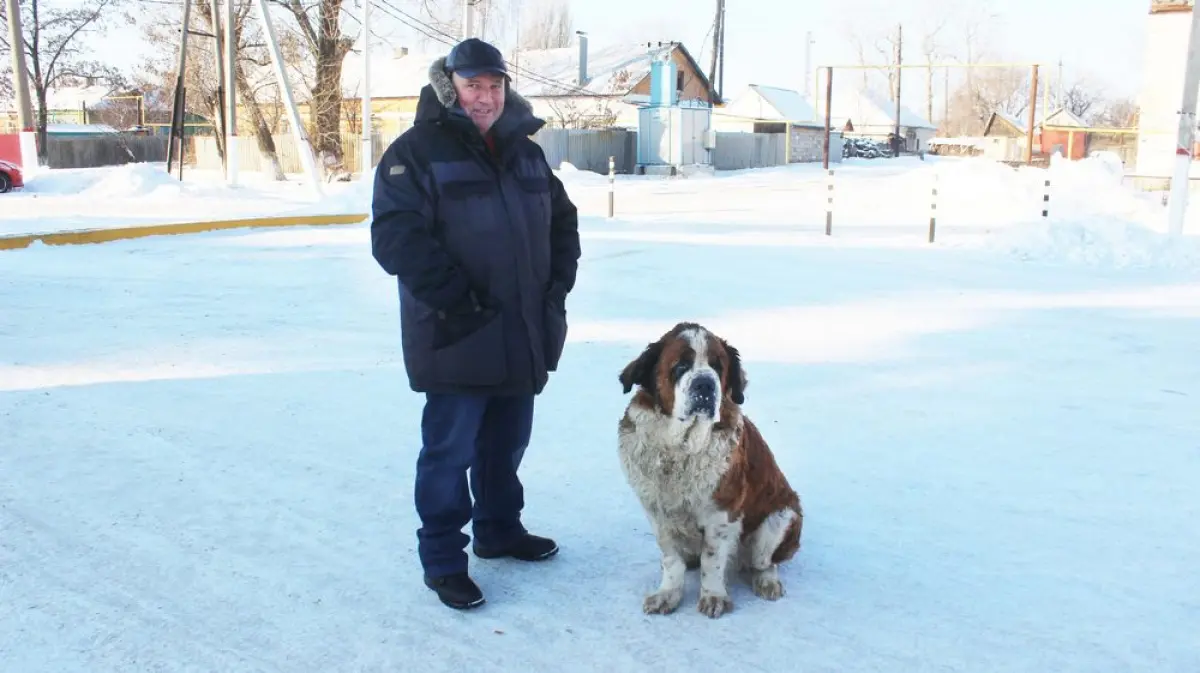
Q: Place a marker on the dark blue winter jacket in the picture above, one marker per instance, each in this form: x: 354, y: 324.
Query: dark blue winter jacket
x: 485, y: 247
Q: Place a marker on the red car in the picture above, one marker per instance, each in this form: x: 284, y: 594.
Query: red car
x: 10, y: 177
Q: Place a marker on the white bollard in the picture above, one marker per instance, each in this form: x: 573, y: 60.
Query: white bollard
x: 611, y: 185
x: 829, y: 206
x: 933, y: 208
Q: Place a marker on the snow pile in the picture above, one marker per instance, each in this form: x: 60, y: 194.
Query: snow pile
x: 348, y: 197
x: 136, y: 180
x: 572, y: 176
x: 1102, y: 241
x: 1098, y: 220
x: 59, y: 182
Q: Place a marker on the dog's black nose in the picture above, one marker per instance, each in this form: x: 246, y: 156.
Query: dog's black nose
x: 704, y: 386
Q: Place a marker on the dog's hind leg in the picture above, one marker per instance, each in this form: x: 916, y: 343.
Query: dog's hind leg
x: 776, y: 540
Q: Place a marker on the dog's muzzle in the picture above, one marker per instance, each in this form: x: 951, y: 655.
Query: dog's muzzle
x: 703, y: 396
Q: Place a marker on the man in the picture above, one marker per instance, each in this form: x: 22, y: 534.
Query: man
x: 484, y: 243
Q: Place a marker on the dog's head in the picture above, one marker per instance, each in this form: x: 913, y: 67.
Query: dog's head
x: 689, y: 373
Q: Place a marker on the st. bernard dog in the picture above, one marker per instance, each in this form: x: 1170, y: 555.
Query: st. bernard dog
x: 702, y: 471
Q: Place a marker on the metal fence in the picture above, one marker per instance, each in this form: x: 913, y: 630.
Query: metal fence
x: 736, y: 150
x: 107, y: 150
x: 586, y: 149
x: 589, y: 149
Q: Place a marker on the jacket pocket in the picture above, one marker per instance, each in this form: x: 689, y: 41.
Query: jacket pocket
x: 554, y: 333
x: 477, y: 358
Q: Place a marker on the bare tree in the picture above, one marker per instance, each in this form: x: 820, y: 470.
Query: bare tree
x: 257, y: 92
x: 1117, y: 113
x: 324, y: 45
x: 55, y: 42
x: 7, y: 95
x: 931, y: 50
x: 1081, y: 98
x: 548, y: 26
x: 443, y: 20
x: 574, y: 111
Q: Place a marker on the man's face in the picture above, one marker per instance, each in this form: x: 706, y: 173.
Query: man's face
x: 482, y: 98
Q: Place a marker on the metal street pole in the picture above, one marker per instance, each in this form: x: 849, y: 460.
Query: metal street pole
x: 367, y: 147
x: 16, y: 38
x: 1187, y: 133
x: 231, y: 132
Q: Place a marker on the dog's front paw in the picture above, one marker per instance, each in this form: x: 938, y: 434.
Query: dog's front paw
x: 662, y: 602
x: 715, y: 605
x: 768, y: 586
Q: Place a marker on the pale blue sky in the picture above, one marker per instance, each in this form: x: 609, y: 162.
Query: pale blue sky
x: 1102, y: 39
x: 1099, y: 39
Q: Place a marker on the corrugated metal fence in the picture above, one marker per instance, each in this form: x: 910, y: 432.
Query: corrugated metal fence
x: 586, y: 149
x: 106, y: 150
x: 589, y: 149
x: 749, y: 150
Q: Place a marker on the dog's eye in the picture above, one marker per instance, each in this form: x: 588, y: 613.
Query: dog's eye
x: 716, y: 365
x: 680, y: 369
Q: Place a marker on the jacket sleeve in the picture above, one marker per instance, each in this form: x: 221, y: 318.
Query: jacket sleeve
x: 402, y: 239
x: 564, y: 236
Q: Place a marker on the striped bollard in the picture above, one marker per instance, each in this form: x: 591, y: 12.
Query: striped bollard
x: 829, y: 206
x: 1046, y: 199
x: 933, y: 208
x: 611, y: 178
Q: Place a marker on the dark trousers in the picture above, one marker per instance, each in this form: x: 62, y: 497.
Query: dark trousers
x: 486, y: 436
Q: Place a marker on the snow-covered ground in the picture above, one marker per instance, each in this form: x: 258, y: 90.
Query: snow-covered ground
x: 208, y: 442
x: 145, y: 194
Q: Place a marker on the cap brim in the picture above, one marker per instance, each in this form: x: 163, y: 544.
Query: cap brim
x: 476, y: 72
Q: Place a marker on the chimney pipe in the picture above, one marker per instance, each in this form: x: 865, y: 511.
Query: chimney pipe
x: 583, y: 58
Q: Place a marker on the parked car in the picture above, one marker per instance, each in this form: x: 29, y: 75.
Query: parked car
x: 10, y: 177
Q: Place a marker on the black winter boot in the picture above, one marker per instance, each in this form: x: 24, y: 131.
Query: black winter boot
x: 525, y: 548
x: 458, y: 591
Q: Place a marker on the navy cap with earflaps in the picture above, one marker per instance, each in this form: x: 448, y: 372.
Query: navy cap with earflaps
x: 473, y: 56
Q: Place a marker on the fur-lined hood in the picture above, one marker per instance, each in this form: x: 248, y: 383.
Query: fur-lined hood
x: 443, y: 88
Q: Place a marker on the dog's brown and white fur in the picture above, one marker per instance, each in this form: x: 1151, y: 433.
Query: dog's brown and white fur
x: 702, y: 471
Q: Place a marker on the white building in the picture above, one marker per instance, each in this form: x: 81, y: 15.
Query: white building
x: 1163, y: 64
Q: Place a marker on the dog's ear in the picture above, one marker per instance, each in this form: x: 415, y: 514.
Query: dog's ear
x: 640, y: 372
x: 736, y: 377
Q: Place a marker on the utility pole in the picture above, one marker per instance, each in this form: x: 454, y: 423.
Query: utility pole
x: 808, y: 43
x: 365, y: 154
x: 1059, y: 100
x: 716, y: 46
x: 231, y: 132
x: 468, y: 18
x: 1031, y: 123
x: 721, y: 91
x: 1187, y: 132
x: 303, y: 146
x: 222, y: 91
x: 899, y: 71
x: 177, y: 113
x: 16, y: 39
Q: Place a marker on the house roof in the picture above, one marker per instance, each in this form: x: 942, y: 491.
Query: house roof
x: 393, y: 74
x: 1017, y: 125
x: 1059, y: 117
x: 788, y: 104
x: 612, y: 69
x: 1064, y: 117
x: 869, y: 107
